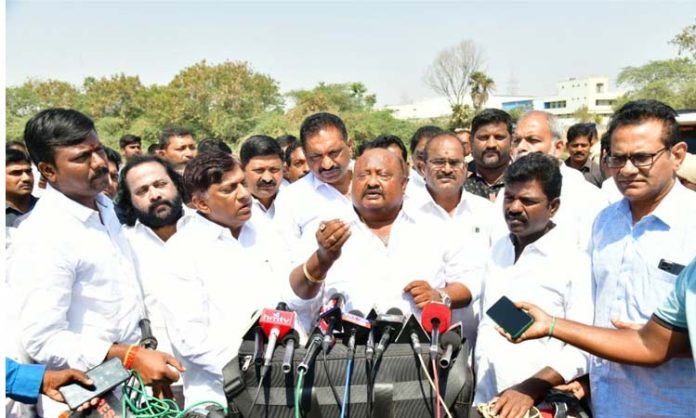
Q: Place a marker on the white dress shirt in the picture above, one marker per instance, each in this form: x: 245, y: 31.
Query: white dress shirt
x: 371, y: 274
x: 610, y: 190
x: 629, y: 286
x: 79, y: 293
x: 149, y: 254
x: 214, y: 284
x: 469, y: 225
x: 416, y: 184
x: 553, y: 274
x: 580, y: 204
x: 258, y: 210
x: 302, y: 206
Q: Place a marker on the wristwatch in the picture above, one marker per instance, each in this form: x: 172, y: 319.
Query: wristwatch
x: 445, y: 297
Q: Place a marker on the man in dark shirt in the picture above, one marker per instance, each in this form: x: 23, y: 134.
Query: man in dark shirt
x: 578, y: 147
x: 19, y: 182
x: 491, y: 134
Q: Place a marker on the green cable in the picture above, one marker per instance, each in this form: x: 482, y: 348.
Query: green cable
x: 155, y: 408
x: 298, y: 393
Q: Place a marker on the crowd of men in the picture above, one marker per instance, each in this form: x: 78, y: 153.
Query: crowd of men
x: 197, y: 238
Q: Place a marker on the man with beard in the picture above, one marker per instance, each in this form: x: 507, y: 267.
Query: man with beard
x: 538, y: 262
x: 372, y: 255
x: 150, y: 204
x: 490, y: 146
x: 70, y: 264
x: 579, y: 141
x: 262, y: 162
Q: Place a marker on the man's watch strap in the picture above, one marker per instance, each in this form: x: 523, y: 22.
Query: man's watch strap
x: 444, y: 297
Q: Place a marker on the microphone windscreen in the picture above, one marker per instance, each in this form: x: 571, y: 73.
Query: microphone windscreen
x: 451, y: 338
x: 394, y: 311
x: 433, y: 312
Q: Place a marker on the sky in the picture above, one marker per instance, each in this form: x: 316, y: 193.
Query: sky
x: 386, y: 45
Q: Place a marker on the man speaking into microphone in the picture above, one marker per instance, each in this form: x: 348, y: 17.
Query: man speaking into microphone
x: 217, y: 274
x: 375, y: 253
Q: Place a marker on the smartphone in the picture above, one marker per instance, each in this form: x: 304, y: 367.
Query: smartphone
x: 513, y: 320
x: 105, y: 376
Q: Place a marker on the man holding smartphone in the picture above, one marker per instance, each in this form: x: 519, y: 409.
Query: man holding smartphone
x: 540, y: 262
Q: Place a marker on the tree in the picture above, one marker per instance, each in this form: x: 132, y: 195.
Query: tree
x: 450, y: 73
x: 118, y: 96
x: 462, y: 115
x: 583, y: 115
x: 481, y: 87
x: 686, y: 40
x: 672, y: 81
x: 336, y: 98
x: 33, y: 96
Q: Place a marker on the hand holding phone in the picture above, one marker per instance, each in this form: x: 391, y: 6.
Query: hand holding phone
x: 105, y: 377
x: 513, y: 320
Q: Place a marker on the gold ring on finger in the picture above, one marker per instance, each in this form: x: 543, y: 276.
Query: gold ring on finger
x: 322, y: 226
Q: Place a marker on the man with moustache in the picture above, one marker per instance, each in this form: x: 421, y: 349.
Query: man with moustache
x: 538, y: 131
x: 324, y: 193
x: 19, y: 182
x: 370, y: 256
x: 461, y: 218
x: 262, y: 162
x: 579, y: 141
x: 633, y: 242
x: 538, y: 262
x: 490, y: 147
x: 216, y: 255
x: 70, y: 265
x: 295, y: 163
x: 416, y: 179
x: 151, y: 206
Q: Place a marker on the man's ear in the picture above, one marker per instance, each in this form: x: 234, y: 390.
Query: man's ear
x: 160, y: 153
x: 554, y: 205
x: 558, y: 148
x: 678, y: 152
x: 200, y: 203
x: 48, y: 171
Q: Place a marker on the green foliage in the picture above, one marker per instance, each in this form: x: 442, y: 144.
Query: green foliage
x: 671, y: 81
x: 335, y: 98
x: 365, y: 126
x: 686, y: 40
x: 462, y: 115
x: 583, y: 115
x: 517, y: 112
x: 481, y: 88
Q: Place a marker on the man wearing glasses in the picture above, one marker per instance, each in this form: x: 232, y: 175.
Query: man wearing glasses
x: 459, y: 215
x: 636, y: 244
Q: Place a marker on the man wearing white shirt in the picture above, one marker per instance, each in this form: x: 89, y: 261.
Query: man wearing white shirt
x: 325, y: 192
x: 633, y: 241
x: 416, y: 176
x: 376, y: 257
x: 80, y: 299
x: 217, y: 275
x: 538, y: 262
x: 262, y: 162
x: 538, y: 131
x: 462, y: 218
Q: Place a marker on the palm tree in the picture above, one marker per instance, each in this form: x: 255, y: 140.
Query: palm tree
x: 481, y: 87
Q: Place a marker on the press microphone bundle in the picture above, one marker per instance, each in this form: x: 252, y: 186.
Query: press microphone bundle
x: 356, y: 329
x: 436, y: 318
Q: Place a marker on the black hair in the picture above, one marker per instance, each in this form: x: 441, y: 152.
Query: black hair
x: 384, y: 141
x: 491, y: 116
x: 53, y: 128
x: 288, y: 152
x: 129, y: 139
x: 588, y: 130
x: 424, y: 132
x: 441, y: 134
x: 15, y: 156
x: 639, y: 111
x: 286, y: 140
x: 537, y: 166
x: 14, y: 144
x: 123, y: 203
x: 259, y: 146
x: 205, y: 170
x: 113, y: 156
x: 171, y: 132
x: 152, y: 149
x: 213, y: 145
x: 318, y: 121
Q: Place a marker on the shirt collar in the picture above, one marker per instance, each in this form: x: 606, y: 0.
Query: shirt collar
x: 546, y: 245
x: 77, y: 210
x: 210, y: 229
x: 585, y: 167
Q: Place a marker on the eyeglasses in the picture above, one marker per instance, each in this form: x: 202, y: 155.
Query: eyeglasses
x: 638, y: 160
x: 442, y: 162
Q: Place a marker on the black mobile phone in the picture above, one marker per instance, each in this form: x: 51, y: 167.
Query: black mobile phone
x: 670, y: 267
x: 513, y: 320
x: 105, y: 376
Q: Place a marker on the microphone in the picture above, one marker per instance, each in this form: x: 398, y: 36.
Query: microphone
x: 450, y: 343
x: 412, y: 333
x: 290, y: 342
x: 257, y: 357
x: 436, y: 319
x: 275, y: 324
x: 315, y: 343
x: 390, y: 323
x: 370, y: 343
x: 331, y: 314
x: 355, y: 330
x: 147, y: 340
